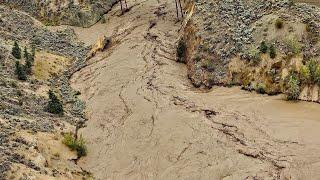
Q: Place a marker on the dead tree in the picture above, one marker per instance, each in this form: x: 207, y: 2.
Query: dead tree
x: 179, y: 8
x: 121, y: 6
x: 125, y: 1
x: 124, y: 7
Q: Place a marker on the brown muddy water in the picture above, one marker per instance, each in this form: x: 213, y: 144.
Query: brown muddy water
x: 145, y: 121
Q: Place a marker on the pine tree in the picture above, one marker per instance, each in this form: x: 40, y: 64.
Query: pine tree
x: 26, y: 53
x: 28, y: 61
x: 55, y: 105
x: 16, y: 51
x: 20, y: 72
x: 272, y: 52
x: 33, y: 53
x: 263, y: 47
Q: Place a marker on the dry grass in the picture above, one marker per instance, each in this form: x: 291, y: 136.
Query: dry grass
x: 46, y: 65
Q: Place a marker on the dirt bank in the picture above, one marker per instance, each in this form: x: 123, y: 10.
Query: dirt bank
x: 146, y: 121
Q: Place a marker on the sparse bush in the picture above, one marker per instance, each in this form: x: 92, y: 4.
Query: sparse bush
x: 263, y: 47
x: 317, y: 77
x: 313, y: 66
x: 261, y: 88
x: 273, y: 52
x: 293, y: 45
x: 308, y: 28
x: 291, y: 2
x: 55, y: 105
x: 209, y: 65
x: 279, y: 23
x: 16, y: 51
x: 78, y: 93
x: 103, y: 20
x: 181, y: 51
x: 310, y: 73
x: 75, y: 144
x: 305, y: 76
x: 293, y: 87
x: 20, y: 72
x: 254, y: 55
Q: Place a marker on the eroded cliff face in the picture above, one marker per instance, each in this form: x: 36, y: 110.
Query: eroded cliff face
x: 71, y: 12
x: 223, y: 40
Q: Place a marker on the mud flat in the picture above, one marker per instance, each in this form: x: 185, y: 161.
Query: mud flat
x: 146, y: 121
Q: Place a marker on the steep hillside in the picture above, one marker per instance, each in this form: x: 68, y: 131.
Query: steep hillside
x: 72, y: 12
x: 30, y: 136
x: 257, y: 44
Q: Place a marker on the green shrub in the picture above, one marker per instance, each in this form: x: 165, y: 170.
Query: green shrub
x: 291, y: 2
x: 103, y: 20
x: 317, y: 77
x: 209, y: 65
x: 310, y: 73
x: 261, y: 88
x: 263, y: 47
x: 293, y: 87
x: 70, y: 141
x: 20, y: 72
x: 313, y: 66
x: 55, y: 105
x: 279, y: 23
x: 293, y: 45
x: 181, y: 51
x: 75, y: 144
x: 273, y: 52
x: 305, y: 76
x: 254, y: 55
x: 16, y: 51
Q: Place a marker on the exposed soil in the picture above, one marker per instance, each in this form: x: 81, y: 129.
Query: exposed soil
x: 146, y: 121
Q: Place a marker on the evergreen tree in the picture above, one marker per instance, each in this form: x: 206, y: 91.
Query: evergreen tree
x: 263, y: 47
x: 28, y: 61
x: 20, y: 72
x: 25, y: 53
x: 28, y: 66
x: 33, y: 53
x: 16, y: 51
x: 272, y: 52
x: 55, y: 105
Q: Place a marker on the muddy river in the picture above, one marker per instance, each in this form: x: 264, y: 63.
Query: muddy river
x: 146, y: 121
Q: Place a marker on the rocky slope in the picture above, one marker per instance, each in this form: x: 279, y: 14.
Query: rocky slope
x: 223, y: 41
x: 72, y: 12
x: 30, y: 137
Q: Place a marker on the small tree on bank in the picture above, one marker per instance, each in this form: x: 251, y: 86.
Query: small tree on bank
x: 55, y: 105
x: 16, y: 51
